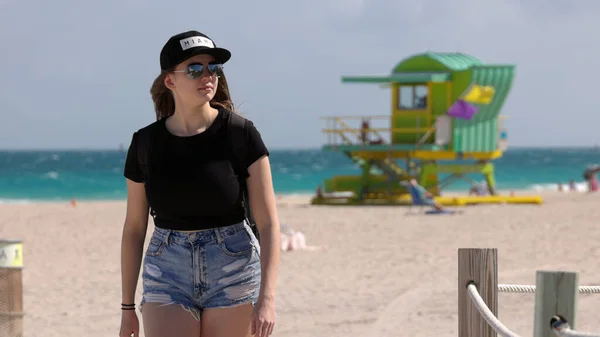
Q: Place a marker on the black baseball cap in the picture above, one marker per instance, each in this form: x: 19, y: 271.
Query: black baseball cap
x: 184, y: 45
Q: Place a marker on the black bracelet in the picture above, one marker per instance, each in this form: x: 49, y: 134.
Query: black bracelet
x: 127, y: 306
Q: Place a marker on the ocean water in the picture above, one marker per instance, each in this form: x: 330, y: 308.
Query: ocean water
x: 95, y: 175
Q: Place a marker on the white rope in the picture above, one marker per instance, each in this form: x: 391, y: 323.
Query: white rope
x: 487, y: 314
x: 561, y: 328
x: 528, y: 289
x: 559, y: 324
x: 516, y: 288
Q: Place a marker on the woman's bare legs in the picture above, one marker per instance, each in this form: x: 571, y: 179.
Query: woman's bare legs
x: 169, y: 320
x: 227, y: 322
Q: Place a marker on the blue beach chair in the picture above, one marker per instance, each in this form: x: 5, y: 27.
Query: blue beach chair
x: 419, y: 200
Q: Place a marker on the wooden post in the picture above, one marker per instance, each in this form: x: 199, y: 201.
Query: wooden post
x: 555, y: 293
x: 481, y: 267
x: 11, y: 288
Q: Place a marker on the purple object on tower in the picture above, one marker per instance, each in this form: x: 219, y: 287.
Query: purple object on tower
x: 463, y: 110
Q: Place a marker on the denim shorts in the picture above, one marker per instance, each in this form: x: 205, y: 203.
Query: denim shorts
x: 213, y: 268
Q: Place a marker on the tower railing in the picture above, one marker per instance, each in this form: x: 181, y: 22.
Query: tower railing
x: 340, y: 130
x: 349, y: 130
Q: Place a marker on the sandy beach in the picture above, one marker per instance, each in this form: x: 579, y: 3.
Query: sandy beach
x: 379, y: 272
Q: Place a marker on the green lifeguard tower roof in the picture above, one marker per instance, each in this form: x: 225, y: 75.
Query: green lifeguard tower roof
x: 425, y: 67
x: 441, y: 61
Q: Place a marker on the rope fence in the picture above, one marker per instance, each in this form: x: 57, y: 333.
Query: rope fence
x: 528, y: 289
x: 559, y: 324
x: 487, y: 314
x: 555, y: 292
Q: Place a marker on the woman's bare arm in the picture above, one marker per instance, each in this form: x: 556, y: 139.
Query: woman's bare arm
x: 132, y: 243
x: 264, y: 209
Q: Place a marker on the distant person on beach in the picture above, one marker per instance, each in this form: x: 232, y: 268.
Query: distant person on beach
x: 572, y: 186
x: 479, y: 189
x: 204, y: 272
x: 291, y: 240
x: 364, y: 135
x: 590, y: 176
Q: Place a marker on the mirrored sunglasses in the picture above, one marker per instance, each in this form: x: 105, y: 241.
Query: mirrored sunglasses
x: 194, y: 71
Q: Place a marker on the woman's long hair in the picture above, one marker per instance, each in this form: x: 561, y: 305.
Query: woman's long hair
x: 164, y: 104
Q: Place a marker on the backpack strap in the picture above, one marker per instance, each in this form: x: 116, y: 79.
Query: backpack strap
x: 236, y: 128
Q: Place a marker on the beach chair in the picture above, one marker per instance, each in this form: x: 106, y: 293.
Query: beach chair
x: 416, y: 199
x: 419, y: 201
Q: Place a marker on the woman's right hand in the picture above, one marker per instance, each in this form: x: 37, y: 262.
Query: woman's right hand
x: 130, y: 325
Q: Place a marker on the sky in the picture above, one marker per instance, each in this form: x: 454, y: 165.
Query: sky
x: 76, y: 74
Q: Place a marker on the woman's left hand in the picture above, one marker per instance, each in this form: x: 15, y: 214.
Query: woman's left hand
x: 263, y: 318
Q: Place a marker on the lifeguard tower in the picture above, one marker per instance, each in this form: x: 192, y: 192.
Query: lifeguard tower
x: 445, y: 120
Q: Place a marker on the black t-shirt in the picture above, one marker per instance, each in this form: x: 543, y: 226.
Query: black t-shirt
x: 193, y: 181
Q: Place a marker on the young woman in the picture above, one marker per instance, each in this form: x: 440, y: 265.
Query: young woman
x: 204, y: 273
